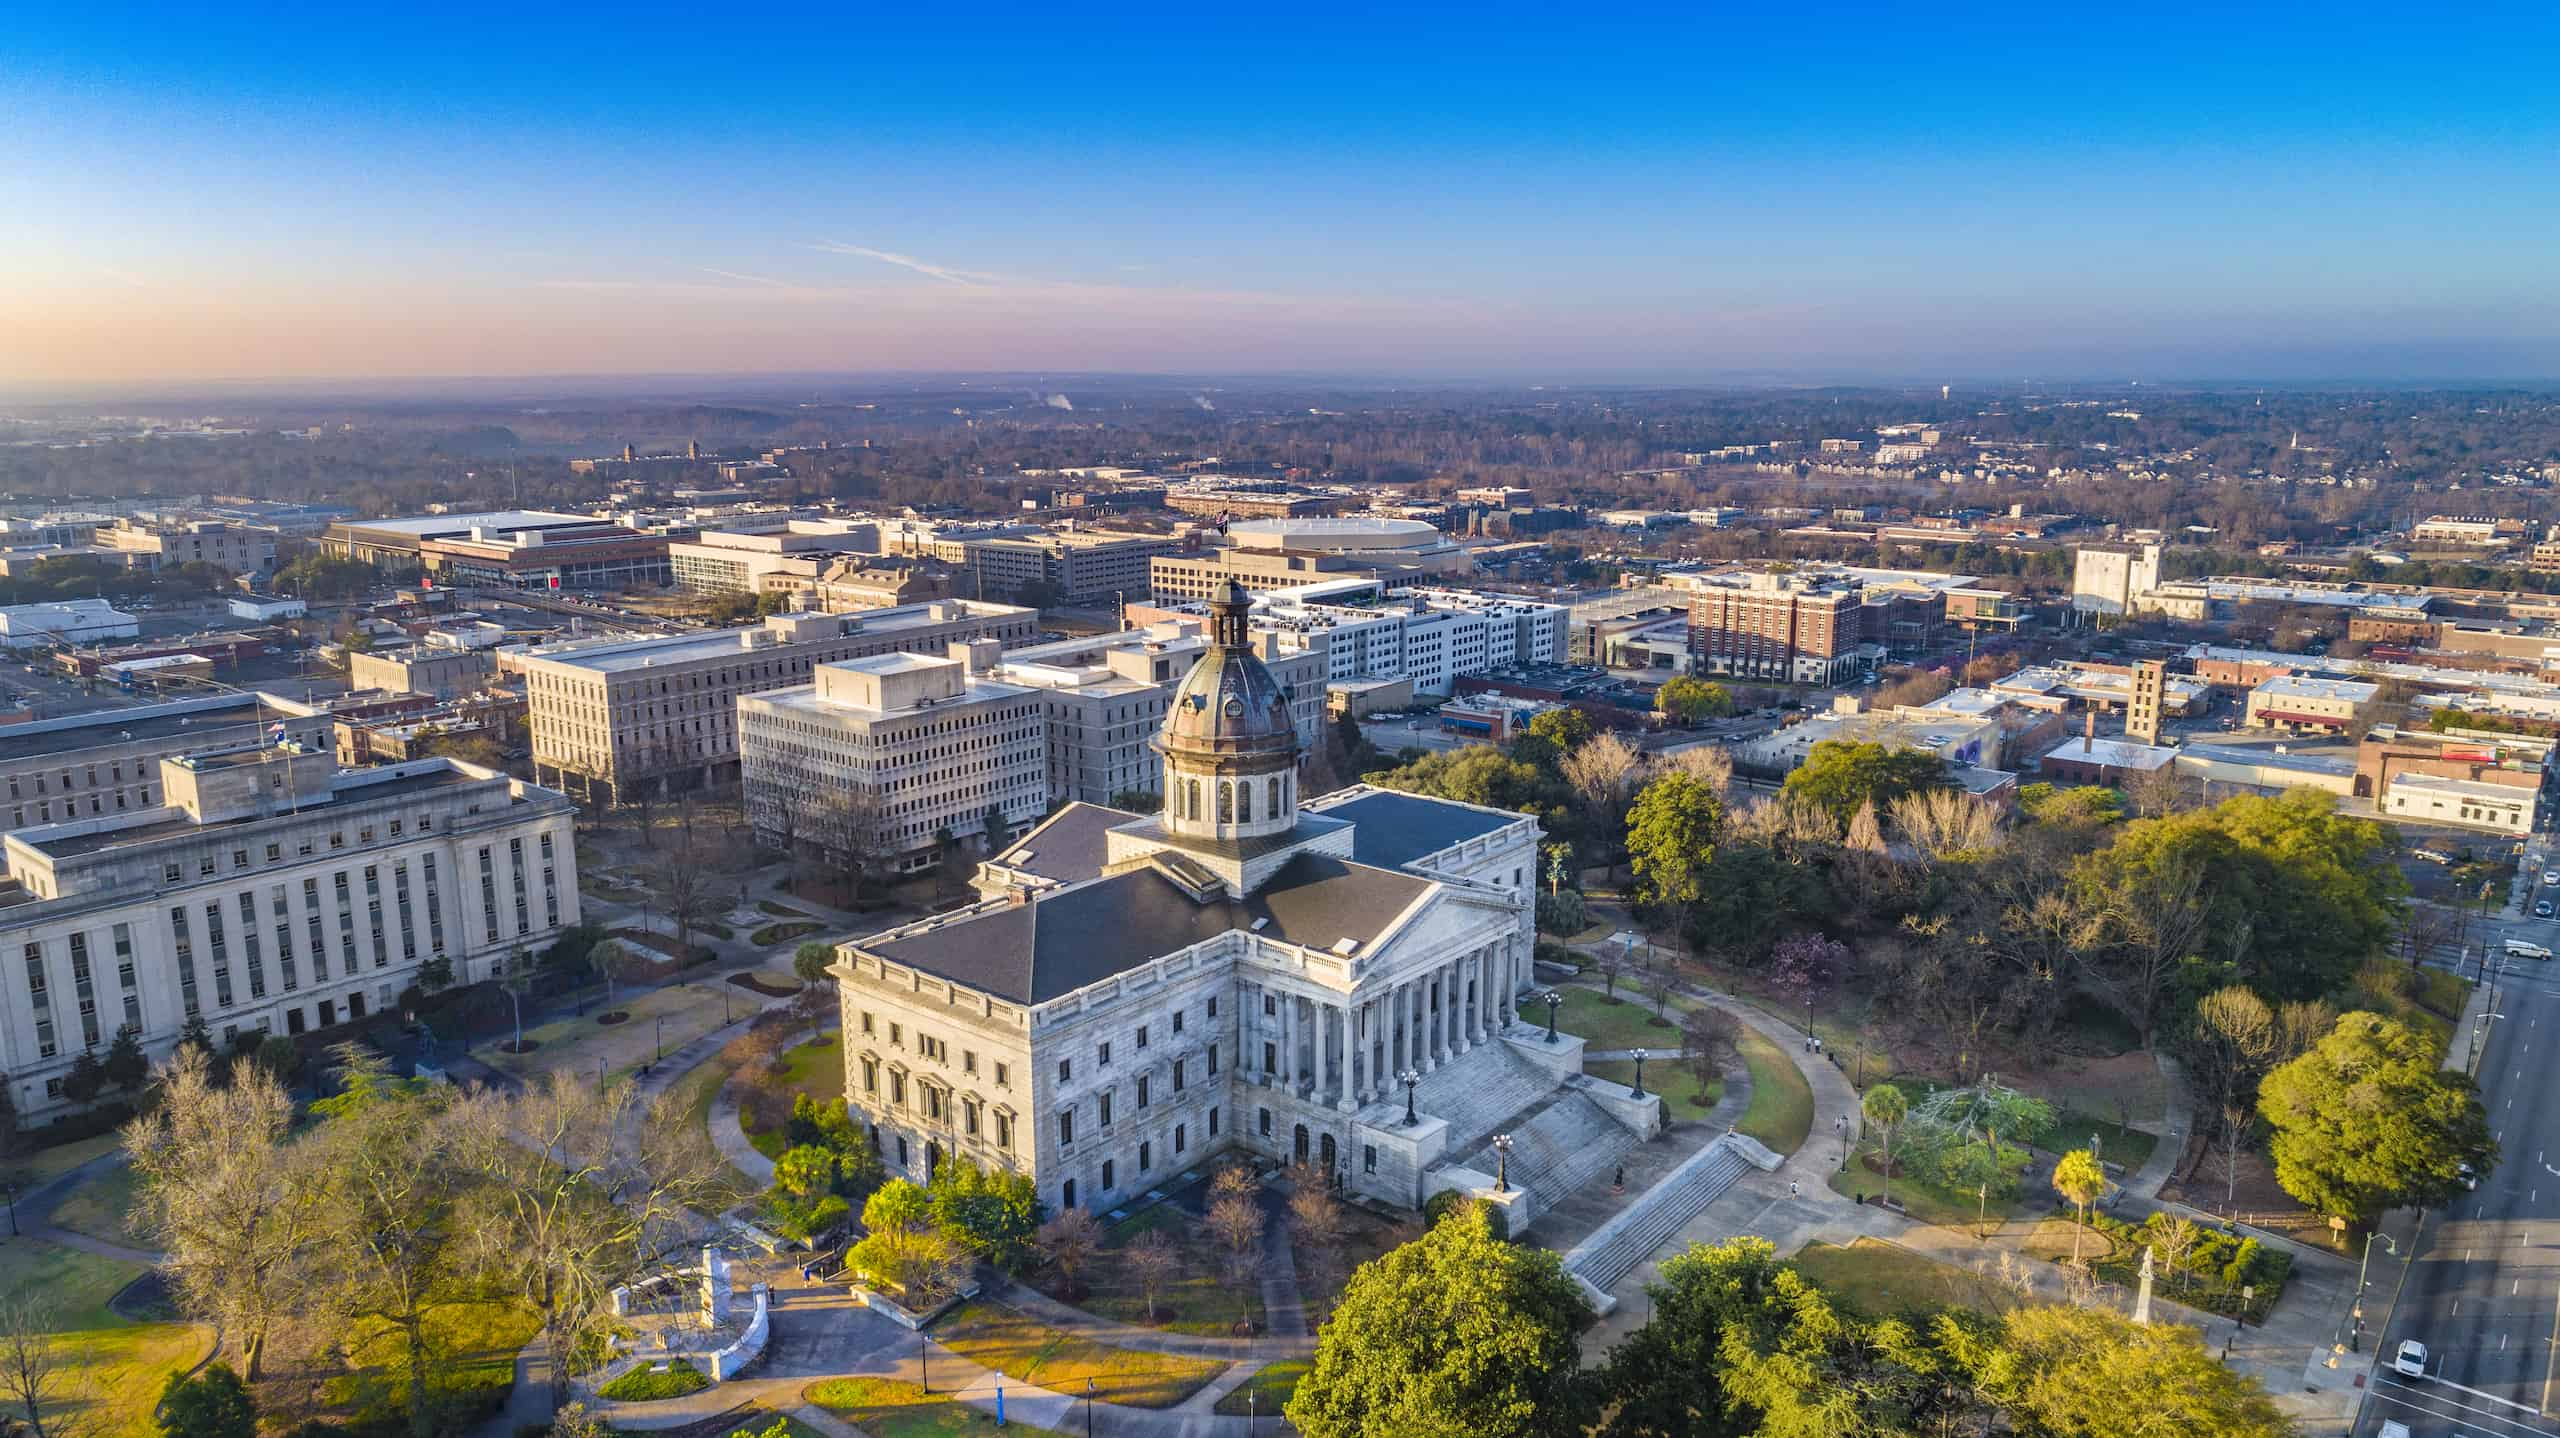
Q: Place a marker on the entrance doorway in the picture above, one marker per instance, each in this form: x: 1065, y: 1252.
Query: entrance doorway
x: 1328, y: 1157
x: 1302, y: 1143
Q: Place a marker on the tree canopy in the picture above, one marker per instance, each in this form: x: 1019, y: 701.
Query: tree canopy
x: 1843, y: 777
x: 1454, y: 1335
x: 2368, y: 1120
x: 1688, y: 700
x: 1671, y: 836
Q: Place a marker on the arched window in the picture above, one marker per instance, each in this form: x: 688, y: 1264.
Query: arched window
x: 1226, y: 802
x: 1191, y: 798
x: 1275, y: 796
x: 1244, y: 801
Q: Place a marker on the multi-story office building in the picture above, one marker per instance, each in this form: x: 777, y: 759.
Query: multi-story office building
x: 1190, y: 577
x: 1087, y: 566
x: 886, y: 756
x: 1239, y: 971
x: 1811, y: 626
x: 1106, y: 697
x: 737, y: 561
x: 2106, y: 578
x: 240, y: 548
x: 434, y: 669
x: 613, y: 714
x: 1252, y: 501
x: 267, y: 892
x: 99, y: 765
x: 601, y: 555
x: 399, y: 543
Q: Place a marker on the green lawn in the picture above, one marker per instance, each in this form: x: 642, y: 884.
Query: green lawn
x: 1880, y: 1279
x: 1781, y: 1111
x: 886, y: 1408
x: 45, y: 1163
x: 1601, y: 1023
x: 1681, y: 1097
x: 1010, y: 1342
x: 471, y: 1349
x: 815, y: 1068
x: 1925, y: 1202
x: 115, y: 1367
x: 1270, y: 1388
x: 1198, y: 1300
x: 783, y: 911
x: 98, y: 1207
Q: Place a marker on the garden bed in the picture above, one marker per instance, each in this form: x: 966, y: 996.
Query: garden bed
x: 2224, y: 1273
x: 610, y: 1017
x: 649, y: 1382
x: 748, y: 979
x: 887, y: 1408
x: 772, y: 934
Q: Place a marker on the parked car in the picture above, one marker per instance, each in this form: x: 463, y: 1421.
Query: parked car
x: 2542, y: 909
x: 2411, y: 1360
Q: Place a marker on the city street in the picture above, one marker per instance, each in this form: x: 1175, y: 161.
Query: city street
x: 2484, y: 1291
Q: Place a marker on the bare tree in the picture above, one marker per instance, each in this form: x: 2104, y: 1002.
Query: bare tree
x: 686, y: 886
x: 2157, y: 792
x: 2230, y: 1145
x: 2301, y: 1024
x: 2231, y: 1043
x: 580, y: 1190
x: 1709, y: 764
x: 1151, y: 1259
x: 39, y: 1388
x: 224, y: 1193
x: 1611, y: 960
x: 1707, y: 1038
x: 1236, y: 1222
x: 1603, y: 775
x: 1068, y: 1242
x: 1945, y: 822
x: 2153, y: 922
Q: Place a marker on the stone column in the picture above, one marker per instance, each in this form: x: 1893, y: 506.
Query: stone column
x: 1484, y: 994
x: 1288, y: 1051
x: 1425, y: 1024
x: 1345, y: 1090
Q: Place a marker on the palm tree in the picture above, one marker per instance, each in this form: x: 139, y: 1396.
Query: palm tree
x: 2080, y: 1178
x: 1885, y: 1107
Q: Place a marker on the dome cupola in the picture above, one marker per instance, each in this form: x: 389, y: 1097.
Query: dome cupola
x: 1229, y: 743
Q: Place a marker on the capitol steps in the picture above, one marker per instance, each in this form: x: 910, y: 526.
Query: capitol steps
x: 1618, y: 1246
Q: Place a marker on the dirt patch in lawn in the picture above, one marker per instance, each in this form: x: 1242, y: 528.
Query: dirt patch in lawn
x: 747, y: 979
x: 610, y: 1017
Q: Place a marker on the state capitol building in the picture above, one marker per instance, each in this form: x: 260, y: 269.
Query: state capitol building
x: 1245, y: 969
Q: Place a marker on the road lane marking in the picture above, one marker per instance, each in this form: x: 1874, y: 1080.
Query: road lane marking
x: 2474, y: 1392
x: 2409, y: 1395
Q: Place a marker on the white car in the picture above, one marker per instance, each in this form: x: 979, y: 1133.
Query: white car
x: 2393, y: 1428
x: 2551, y: 877
x: 2411, y: 1360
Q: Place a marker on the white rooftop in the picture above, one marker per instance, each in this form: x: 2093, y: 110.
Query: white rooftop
x: 2304, y: 686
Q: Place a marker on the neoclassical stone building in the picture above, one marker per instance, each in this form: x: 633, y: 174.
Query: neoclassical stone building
x: 1243, y: 969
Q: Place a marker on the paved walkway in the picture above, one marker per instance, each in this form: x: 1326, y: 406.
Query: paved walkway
x: 2176, y: 1104
x: 35, y: 1212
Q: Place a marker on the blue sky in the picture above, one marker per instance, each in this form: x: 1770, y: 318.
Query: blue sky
x: 1850, y: 192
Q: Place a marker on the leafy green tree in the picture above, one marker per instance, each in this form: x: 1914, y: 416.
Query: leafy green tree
x: 1842, y: 777
x: 1476, y: 774
x: 1749, y: 893
x: 2089, y: 806
x: 2065, y: 1372
x: 1567, y: 729
x: 1671, y: 836
x: 2367, y: 1121
x: 86, y: 1080
x: 212, y: 1404
x: 1687, y: 700
x: 995, y: 1213
x: 2292, y: 895
x: 1137, y: 801
x: 806, y: 1171
x: 2079, y: 1177
x: 811, y: 961
x: 1456, y: 1333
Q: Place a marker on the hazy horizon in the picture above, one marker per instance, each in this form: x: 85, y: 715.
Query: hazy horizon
x: 1475, y: 195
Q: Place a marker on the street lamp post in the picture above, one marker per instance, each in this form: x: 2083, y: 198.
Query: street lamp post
x: 1409, y: 1078
x: 2355, y: 1339
x: 1638, y: 1090
x: 662, y: 1039
x: 1502, y: 1163
x: 924, y: 1357
x: 1552, y: 1000
x: 1982, y: 1209
x: 1088, y: 1408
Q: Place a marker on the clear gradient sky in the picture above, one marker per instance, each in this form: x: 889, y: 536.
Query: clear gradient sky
x: 2343, y: 190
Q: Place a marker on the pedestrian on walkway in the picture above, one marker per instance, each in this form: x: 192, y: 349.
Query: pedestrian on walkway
x: 1793, y: 1191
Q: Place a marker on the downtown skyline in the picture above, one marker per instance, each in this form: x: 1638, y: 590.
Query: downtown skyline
x: 1499, y: 194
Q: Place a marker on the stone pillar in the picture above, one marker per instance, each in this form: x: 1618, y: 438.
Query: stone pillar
x: 1345, y: 1091
x: 1288, y: 1052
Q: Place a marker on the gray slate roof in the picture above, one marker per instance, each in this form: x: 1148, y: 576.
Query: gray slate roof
x: 1064, y: 939
x: 1067, y: 846
x: 1396, y: 829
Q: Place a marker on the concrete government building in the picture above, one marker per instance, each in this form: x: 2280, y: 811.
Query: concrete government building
x: 1243, y: 970
x: 267, y: 892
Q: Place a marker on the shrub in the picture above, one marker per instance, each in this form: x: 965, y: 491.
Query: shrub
x: 1557, y: 955
x: 1449, y: 1200
x: 645, y: 1384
